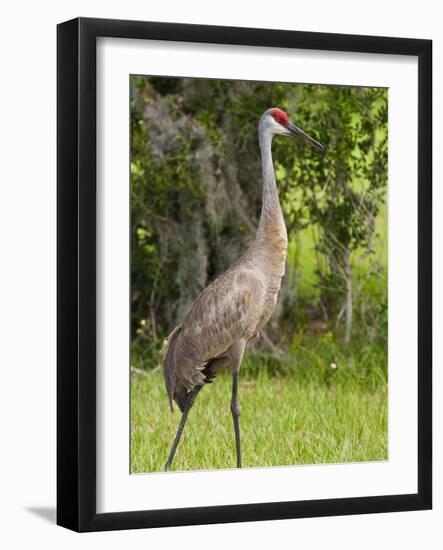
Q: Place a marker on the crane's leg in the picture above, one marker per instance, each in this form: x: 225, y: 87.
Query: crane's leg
x: 236, y: 356
x: 235, y: 410
x: 189, y: 402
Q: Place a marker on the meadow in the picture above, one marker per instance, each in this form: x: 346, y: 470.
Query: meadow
x: 302, y: 411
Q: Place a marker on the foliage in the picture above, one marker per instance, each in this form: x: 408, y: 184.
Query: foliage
x: 196, y: 196
x: 342, y: 191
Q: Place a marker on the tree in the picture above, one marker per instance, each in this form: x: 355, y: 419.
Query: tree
x: 342, y: 191
x: 196, y: 191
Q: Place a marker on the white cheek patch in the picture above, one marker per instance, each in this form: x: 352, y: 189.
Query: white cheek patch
x: 277, y: 128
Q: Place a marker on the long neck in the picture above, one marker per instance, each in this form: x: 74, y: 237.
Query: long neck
x: 271, y: 225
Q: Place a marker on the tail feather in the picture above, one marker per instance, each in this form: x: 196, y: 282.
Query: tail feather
x: 169, y: 366
x: 180, y: 396
x: 182, y: 369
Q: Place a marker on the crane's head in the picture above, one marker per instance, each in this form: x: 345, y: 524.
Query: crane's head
x: 275, y: 121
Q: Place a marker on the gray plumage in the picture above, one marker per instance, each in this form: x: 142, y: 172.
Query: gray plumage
x: 238, y: 303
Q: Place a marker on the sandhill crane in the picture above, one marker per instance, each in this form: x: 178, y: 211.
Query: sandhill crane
x: 238, y: 303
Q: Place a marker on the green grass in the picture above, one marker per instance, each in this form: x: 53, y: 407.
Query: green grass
x: 310, y: 415
x: 295, y: 410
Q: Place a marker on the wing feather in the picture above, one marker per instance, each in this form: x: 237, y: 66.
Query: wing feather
x: 226, y: 311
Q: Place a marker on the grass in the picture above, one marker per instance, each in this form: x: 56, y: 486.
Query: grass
x: 310, y: 414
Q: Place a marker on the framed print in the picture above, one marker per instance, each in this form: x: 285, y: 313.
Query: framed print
x: 244, y: 274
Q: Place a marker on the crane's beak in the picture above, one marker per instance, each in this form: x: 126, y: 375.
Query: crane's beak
x: 298, y: 133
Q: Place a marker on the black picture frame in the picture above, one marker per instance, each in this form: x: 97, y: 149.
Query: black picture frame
x: 76, y: 274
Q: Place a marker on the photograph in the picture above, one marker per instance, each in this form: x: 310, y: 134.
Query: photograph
x: 258, y: 274
x: 244, y: 274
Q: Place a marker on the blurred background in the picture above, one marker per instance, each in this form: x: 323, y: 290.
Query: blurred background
x: 313, y: 387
